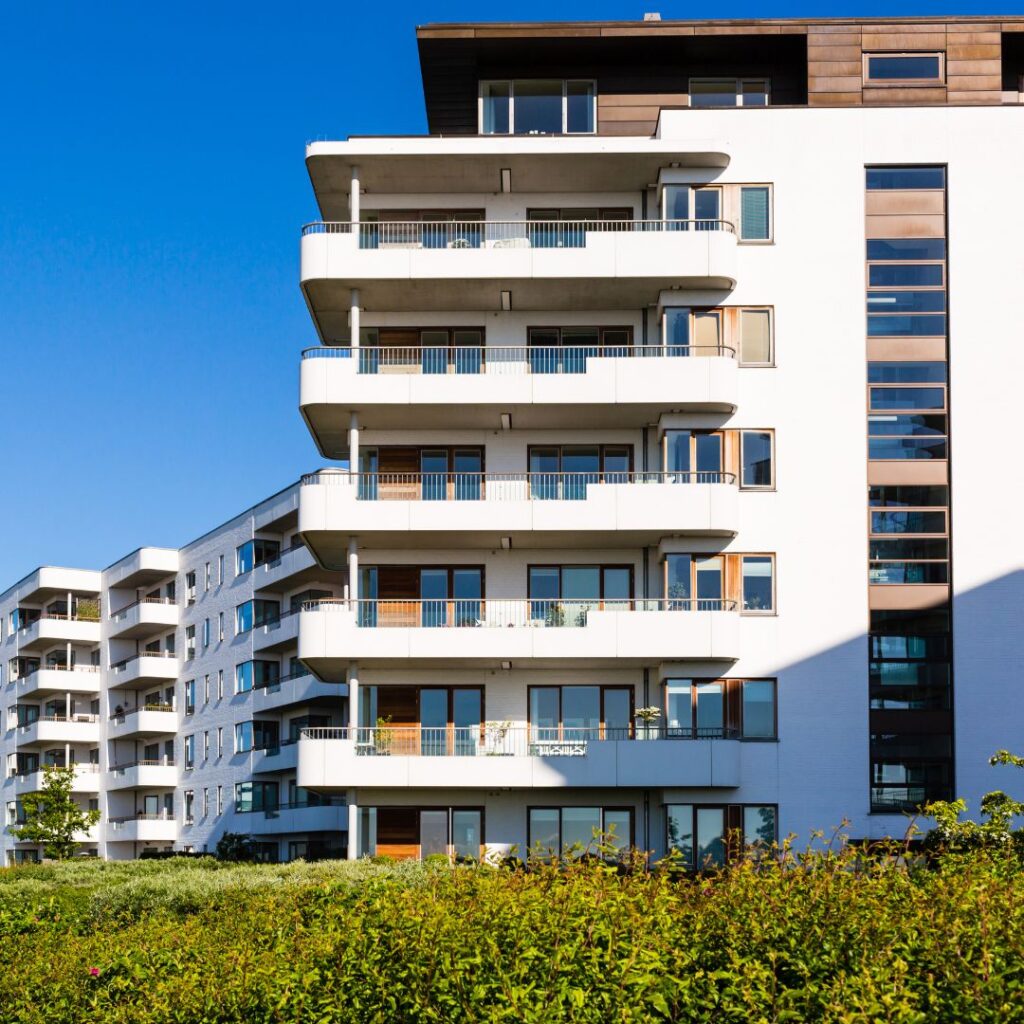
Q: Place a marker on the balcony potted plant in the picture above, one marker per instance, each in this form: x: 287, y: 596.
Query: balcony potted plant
x: 645, y: 721
x: 383, y: 737
x: 495, y: 733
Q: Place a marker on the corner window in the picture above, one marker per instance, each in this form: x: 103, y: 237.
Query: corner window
x: 756, y: 337
x: 755, y: 213
x: 756, y: 459
x: 538, y: 107
x: 729, y: 92
x: 904, y: 68
x: 758, y: 583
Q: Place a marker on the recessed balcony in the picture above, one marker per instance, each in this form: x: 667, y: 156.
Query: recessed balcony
x: 142, y: 669
x: 149, y: 720
x: 142, y: 828
x: 535, y: 510
x: 59, y: 729
x: 59, y: 679
x: 542, y: 264
x: 284, y: 819
x: 501, y: 757
x: 535, y: 388
x: 489, y: 632
x: 146, y: 617
x: 301, y: 687
x: 161, y: 774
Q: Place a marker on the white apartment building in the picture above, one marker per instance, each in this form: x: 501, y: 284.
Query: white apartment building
x: 637, y: 379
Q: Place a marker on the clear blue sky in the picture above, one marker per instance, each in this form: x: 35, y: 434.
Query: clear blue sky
x: 152, y: 187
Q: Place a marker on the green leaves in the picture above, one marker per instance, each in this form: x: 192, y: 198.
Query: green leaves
x: 52, y: 818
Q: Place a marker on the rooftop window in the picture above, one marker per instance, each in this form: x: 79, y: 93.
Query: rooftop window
x: 904, y: 68
x: 538, y: 107
x: 729, y: 92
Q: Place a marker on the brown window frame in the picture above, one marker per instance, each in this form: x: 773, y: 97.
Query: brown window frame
x: 603, y: 808
x: 903, y: 83
x: 567, y: 686
x: 602, y: 566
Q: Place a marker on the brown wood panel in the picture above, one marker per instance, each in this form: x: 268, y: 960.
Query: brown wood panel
x: 398, y: 460
x: 832, y: 68
x: 398, y: 825
x: 914, y: 96
x: 398, y: 582
x: 400, y: 703
x: 897, y: 202
x: 834, y: 83
x: 399, y: 851
x: 934, y: 471
x: 958, y: 34
x: 824, y: 54
x: 834, y: 99
x: 975, y: 83
x: 636, y: 30
x: 742, y: 30
x: 907, y: 348
x: 643, y: 128
x: 632, y: 99
x: 975, y: 96
x: 909, y: 41
x: 908, y: 596
x: 636, y: 113
x: 905, y: 226
x: 986, y: 52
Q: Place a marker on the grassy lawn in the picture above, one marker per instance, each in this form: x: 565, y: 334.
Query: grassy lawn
x: 829, y: 939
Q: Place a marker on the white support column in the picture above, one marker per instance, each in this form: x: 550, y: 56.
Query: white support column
x: 353, y: 825
x: 67, y: 704
x: 353, y: 317
x: 352, y: 678
x: 353, y: 198
x: 353, y: 446
x: 69, y: 606
x: 353, y: 573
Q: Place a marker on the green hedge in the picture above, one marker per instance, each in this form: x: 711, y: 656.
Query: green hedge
x: 818, y: 939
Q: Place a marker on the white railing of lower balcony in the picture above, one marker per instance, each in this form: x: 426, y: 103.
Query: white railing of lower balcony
x: 507, y: 360
x: 503, y: 612
x: 497, y: 739
x: 501, y: 486
x: 499, y: 234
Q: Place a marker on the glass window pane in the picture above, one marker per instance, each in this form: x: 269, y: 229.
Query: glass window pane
x: 618, y: 705
x: 908, y: 398
x: 757, y: 583
x: 433, y: 708
x: 617, y: 828
x: 678, y: 697
x: 905, y: 177
x: 709, y: 581
x: 433, y: 833
x: 675, y: 202
x: 907, y: 302
x: 905, y: 275
x: 579, y: 106
x: 544, y: 829
x: 579, y: 825
x: 712, y: 92
x: 467, y: 834
x: 676, y: 327
x: 759, y: 826
x: 906, y: 373
x: 755, y: 336
x: 906, y: 249
x: 710, y: 708
x: 754, y: 213
x: 906, y: 326
x: 581, y: 583
x: 581, y: 711
x: 756, y: 454
x: 758, y: 708
x: 707, y: 330
x: 709, y: 455
x: 679, y: 820
x: 921, y: 68
x: 707, y: 204
x: 710, y: 836
x: 616, y: 584
x: 537, y: 107
x: 544, y: 712
x: 677, y: 451
x: 678, y: 576
x: 755, y: 92
x: 495, y: 108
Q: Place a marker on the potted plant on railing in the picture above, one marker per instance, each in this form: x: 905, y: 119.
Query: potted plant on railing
x: 646, y: 722
x: 383, y: 737
x: 495, y: 733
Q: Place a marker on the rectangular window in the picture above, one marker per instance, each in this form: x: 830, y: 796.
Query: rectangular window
x: 243, y: 737
x: 190, y: 587
x: 758, y: 583
x: 906, y: 275
x: 254, y: 613
x: 885, y: 399
x: 206, y: 745
x: 207, y: 577
x: 220, y: 626
x: 758, y: 709
x: 189, y: 806
x: 729, y: 92
x: 256, y: 796
x: 220, y: 741
x: 906, y: 326
x: 206, y: 688
x: 220, y: 800
x: 908, y: 496
x: 206, y: 802
x: 698, y: 835
x: 904, y: 69
x: 190, y: 697
x: 756, y: 459
x: 906, y: 373
x: 538, y: 107
x: 907, y: 302
x: 190, y: 752
x: 206, y: 633
x: 907, y: 249
x: 220, y: 684
x: 755, y: 337
x: 190, y: 642
x: 574, y: 831
x: 905, y: 178
x: 755, y: 213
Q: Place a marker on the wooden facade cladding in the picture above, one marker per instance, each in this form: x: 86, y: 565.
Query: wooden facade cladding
x: 642, y: 68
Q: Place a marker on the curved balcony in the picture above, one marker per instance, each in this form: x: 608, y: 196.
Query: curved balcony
x: 550, y: 265
x: 150, y: 720
x: 516, y: 757
x: 298, y: 817
x: 142, y: 669
x: 86, y: 780
x: 146, y: 617
x: 489, y: 632
x: 55, y: 628
x: 398, y: 510
x: 59, y: 679
x: 141, y: 828
x: 82, y: 729
x: 537, y: 387
x: 143, y: 775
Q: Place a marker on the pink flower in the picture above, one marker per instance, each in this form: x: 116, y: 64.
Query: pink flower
x: 94, y: 972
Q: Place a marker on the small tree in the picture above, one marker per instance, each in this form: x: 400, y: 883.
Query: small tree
x: 235, y: 847
x: 52, y: 818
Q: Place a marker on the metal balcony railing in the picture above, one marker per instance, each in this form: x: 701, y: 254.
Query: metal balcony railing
x: 121, y: 715
x: 500, y: 234
x: 120, y: 666
x: 459, y: 486
x: 502, y: 612
x: 119, y: 614
x: 503, y: 360
x: 499, y: 739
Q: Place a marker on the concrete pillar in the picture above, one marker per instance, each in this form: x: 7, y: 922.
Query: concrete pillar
x: 353, y: 573
x: 69, y: 605
x: 353, y: 199
x: 353, y: 446
x: 352, y: 678
x: 353, y: 825
x: 353, y: 317
x: 67, y: 704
